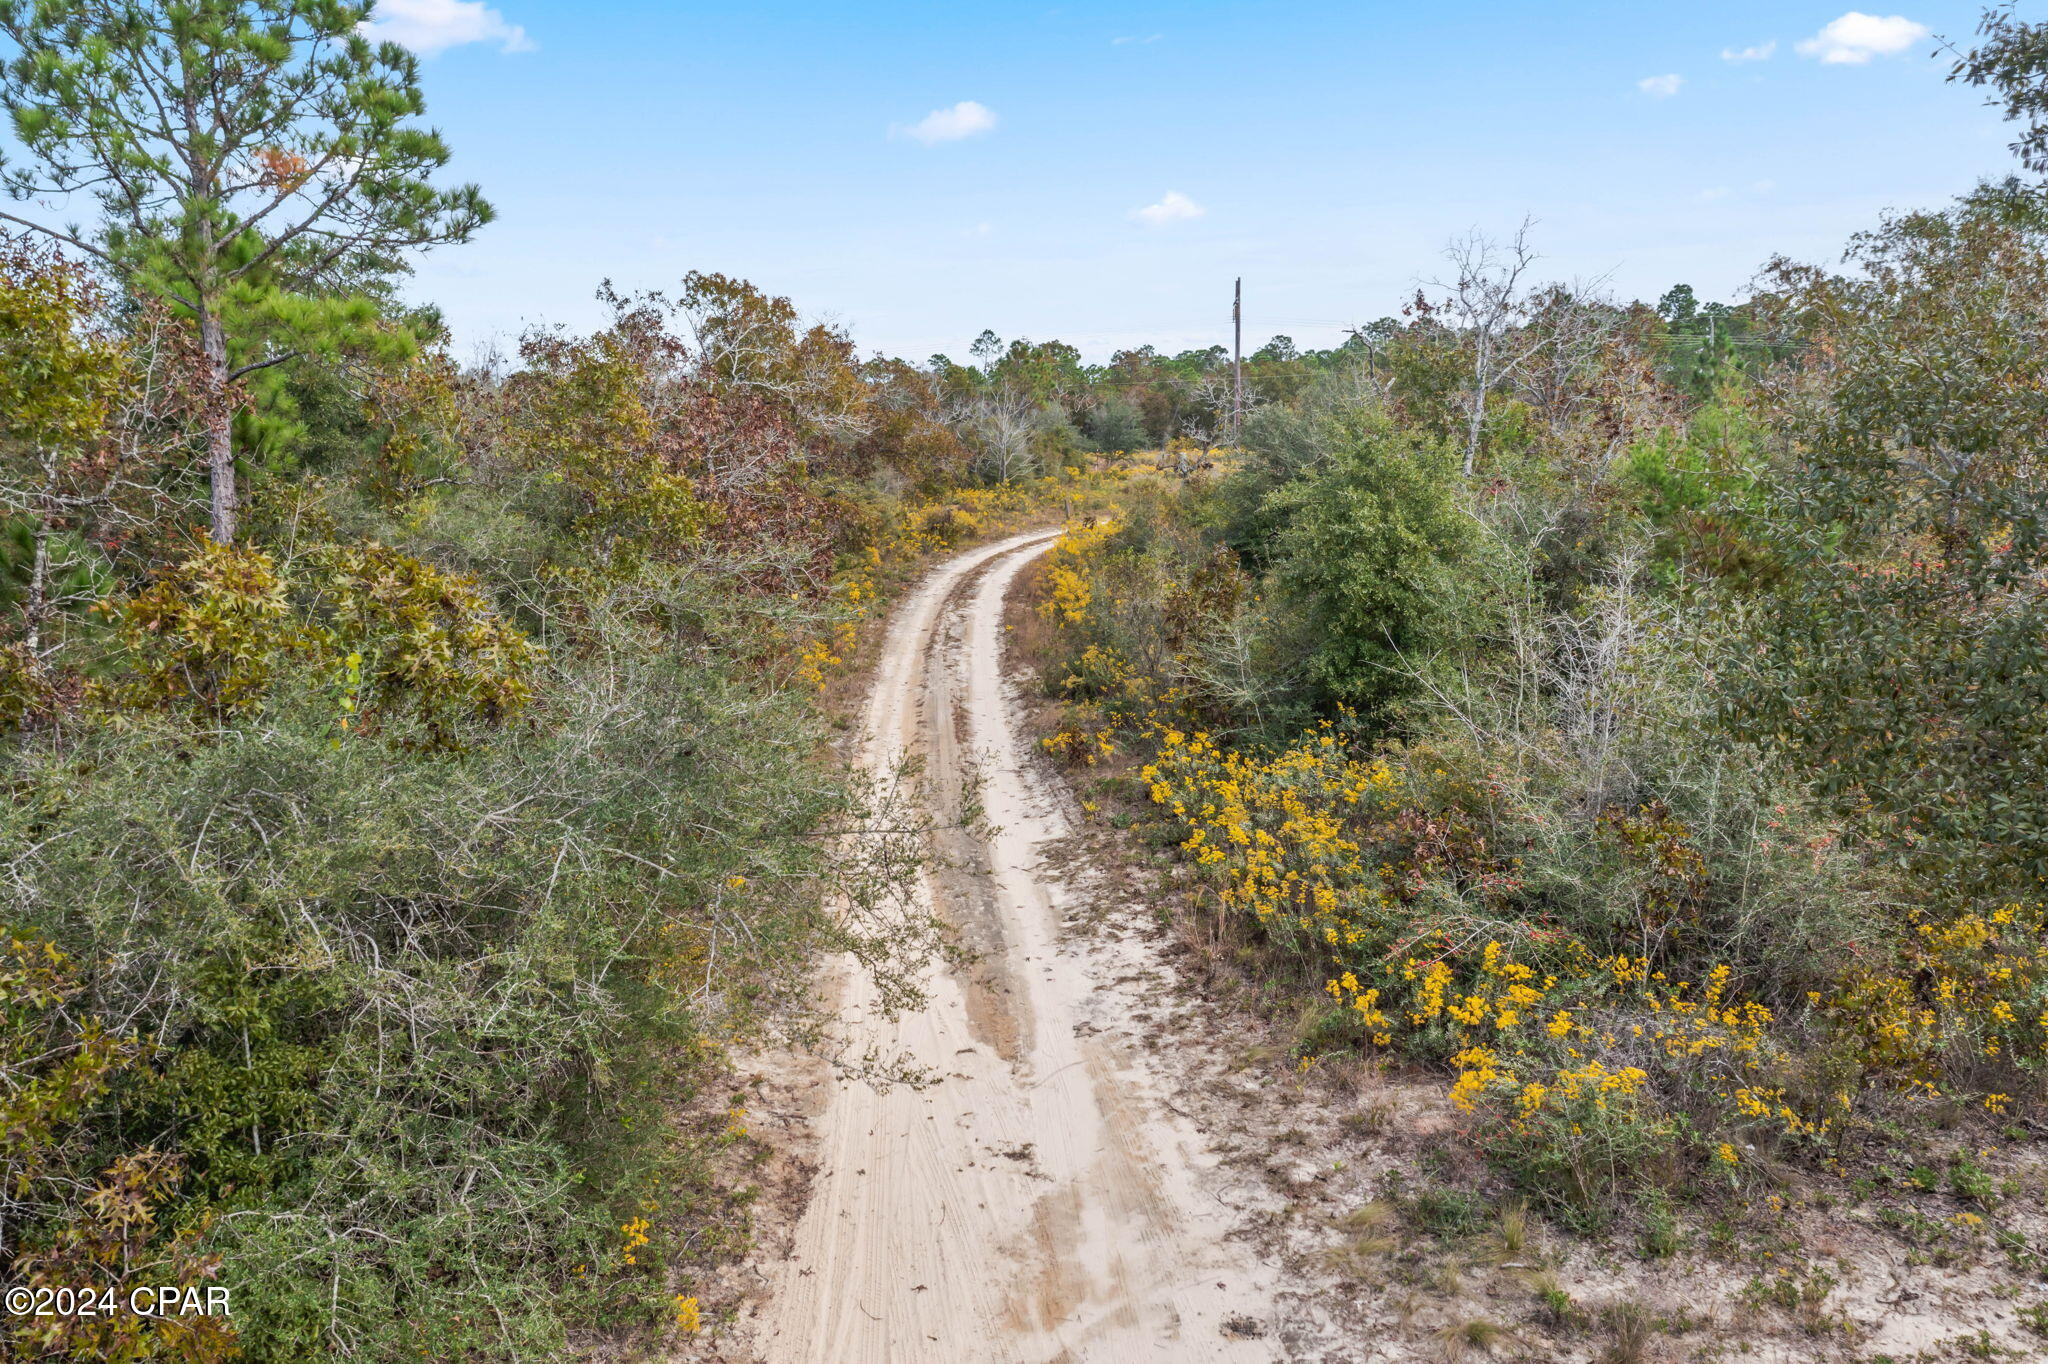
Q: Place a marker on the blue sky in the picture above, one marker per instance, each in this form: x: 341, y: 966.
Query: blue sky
x: 1324, y: 151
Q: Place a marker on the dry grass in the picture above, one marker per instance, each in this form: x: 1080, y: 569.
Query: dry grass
x: 1374, y: 1216
x: 1368, y: 1236
x: 1459, y: 1339
x: 1512, y: 1226
x: 1255, y: 1055
x: 1211, y: 936
x: 1374, y: 1115
x: 1554, y: 1307
x: 1629, y: 1330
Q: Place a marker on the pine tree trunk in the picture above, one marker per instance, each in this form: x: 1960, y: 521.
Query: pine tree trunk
x: 220, y: 414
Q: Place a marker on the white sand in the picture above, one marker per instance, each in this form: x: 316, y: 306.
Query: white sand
x: 1037, y: 1202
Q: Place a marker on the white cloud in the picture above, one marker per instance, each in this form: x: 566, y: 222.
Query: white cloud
x: 1856, y: 37
x: 433, y: 26
x: 1715, y: 193
x: 1175, y: 207
x: 965, y: 119
x: 1759, y: 53
x: 1660, y: 87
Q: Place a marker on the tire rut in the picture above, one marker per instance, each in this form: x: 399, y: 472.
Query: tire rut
x: 1038, y: 1201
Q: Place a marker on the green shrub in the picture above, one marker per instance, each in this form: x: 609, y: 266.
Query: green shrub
x: 406, y: 646
x: 1367, y: 559
x: 1446, y: 1212
x: 422, y: 1022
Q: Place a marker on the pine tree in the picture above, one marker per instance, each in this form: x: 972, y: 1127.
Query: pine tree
x: 255, y: 162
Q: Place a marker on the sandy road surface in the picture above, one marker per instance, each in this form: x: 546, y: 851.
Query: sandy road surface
x: 1037, y: 1202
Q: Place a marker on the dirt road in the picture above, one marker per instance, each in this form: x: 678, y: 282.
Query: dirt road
x: 1038, y: 1201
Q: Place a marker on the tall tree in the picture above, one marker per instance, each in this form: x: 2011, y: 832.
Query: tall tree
x: 2012, y: 61
x: 1898, y: 653
x: 1486, y: 306
x: 255, y: 161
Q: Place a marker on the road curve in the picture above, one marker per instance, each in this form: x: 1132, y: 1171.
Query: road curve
x: 1037, y: 1202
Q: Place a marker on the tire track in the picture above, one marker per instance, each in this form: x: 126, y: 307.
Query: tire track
x: 1036, y: 1203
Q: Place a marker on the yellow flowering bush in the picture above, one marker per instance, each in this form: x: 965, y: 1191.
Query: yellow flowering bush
x: 1587, y: 1051
x: 1070, y: 586
x: 402, y: 636
x: 1969, y: 987
x: 1573, y: 1065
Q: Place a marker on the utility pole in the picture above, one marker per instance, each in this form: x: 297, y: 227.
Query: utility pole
x: 1237, y: 363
